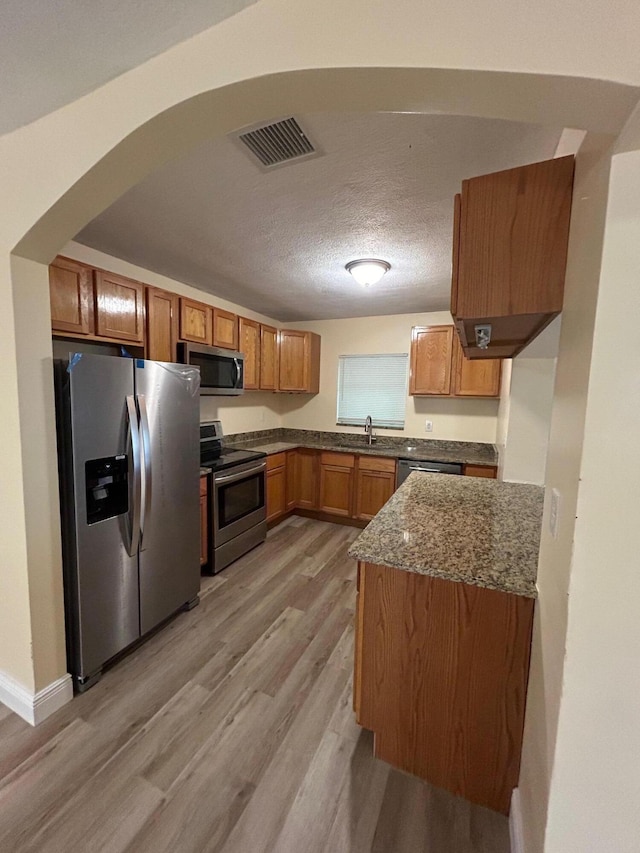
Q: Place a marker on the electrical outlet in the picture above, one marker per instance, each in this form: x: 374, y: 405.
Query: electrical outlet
x: 428, y: 426
x: 554, y: 512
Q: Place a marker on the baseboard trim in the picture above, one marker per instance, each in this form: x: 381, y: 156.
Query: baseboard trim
x: 516, y: 834
x: 35, y: 707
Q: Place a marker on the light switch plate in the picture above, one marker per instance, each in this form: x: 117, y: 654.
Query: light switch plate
x: 428, y: 426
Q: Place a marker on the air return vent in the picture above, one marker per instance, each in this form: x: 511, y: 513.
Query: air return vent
x: 278, y: 143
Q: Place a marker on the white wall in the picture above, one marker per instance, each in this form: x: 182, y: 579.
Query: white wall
x: 526, y: 419
x: 595, y: 789
x: 453, y: 419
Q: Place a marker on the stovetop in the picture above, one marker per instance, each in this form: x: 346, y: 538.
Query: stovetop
x: 229, y: 457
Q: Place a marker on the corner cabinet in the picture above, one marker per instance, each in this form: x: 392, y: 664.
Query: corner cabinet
x: 299, y: 362
x: 276, y: 483
x: 511, y: 232
x: 439, y: 367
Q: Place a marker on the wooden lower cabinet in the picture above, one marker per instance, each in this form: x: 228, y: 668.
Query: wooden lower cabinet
x: 488, y: 471
x: 375, y: 483
x: 337, y: 477
x: 204, y: 522
x: 440, y: 677
x: 306, y: 478
x: 292, y: 492
x: 276, y: 486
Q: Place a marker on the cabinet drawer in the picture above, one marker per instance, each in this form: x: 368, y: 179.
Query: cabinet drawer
x: 203, y: 487
x: 376, y: 463
x: 344, y: 460
x: 276, y: 460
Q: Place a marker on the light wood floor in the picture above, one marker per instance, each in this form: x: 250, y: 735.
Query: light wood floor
x: 231, y: 730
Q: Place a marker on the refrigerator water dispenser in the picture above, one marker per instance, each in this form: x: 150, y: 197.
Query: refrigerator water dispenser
x: 106, y: 487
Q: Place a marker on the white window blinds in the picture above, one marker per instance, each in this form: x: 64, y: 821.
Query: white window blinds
x: 373, y: 385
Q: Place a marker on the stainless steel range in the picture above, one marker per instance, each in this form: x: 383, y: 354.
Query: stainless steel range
x: 237, y: 505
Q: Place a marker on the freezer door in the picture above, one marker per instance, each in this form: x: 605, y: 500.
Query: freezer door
x: 101, y: 572
x: 169, y: 563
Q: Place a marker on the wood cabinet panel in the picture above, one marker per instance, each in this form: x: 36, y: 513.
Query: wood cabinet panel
x: 276, y: 460
x: 204, y: 522
x: 373, y: 490
x: 196, y: 321
x: 299, y: 361
x: 377, y: 463
x: 513, y: 238
x: 249, y: 344
x: 292, y: 496
x: 455, y: 254
x: 71, y: 297
x: 342, y: 460
x: 276, y: 493
x: 336, y: 484
x: 488, y: 471
x: 474, y: 378
x: 441, y: 679
x: 120, y: 312
x: 431, y: 348
x: 225, y: 329
x: 162, y: 324
x: 306, y: 478
x: 268, y: 358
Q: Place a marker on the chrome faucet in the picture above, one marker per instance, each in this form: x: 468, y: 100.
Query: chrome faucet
x: 368, y: 429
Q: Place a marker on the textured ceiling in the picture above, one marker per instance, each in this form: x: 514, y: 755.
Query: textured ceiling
x: 277, y: 241
x: 54, y: 51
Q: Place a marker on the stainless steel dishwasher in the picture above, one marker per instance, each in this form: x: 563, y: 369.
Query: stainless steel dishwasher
x: 407, y: 466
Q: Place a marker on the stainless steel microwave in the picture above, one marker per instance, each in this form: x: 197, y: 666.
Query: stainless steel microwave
x: 221, y: 370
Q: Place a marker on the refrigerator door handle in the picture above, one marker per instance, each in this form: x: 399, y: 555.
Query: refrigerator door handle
x: 134, y: 438
x: 146, y: 453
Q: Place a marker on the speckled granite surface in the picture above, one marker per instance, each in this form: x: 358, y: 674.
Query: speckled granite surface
x: 277, y: 440
x: 205, y: 471
x: 465, y: 529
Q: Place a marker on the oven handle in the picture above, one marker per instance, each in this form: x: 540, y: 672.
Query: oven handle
x: 242, y: 475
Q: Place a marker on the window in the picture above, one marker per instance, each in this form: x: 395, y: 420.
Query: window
x: 373, y: 385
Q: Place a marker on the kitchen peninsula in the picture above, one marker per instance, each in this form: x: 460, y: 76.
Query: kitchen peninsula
x: 446, y: 591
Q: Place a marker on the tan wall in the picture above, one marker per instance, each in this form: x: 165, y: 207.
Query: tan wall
x: 457, y: 420
x: 563, y: 473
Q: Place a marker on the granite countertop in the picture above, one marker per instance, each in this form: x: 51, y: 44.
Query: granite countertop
x: 465, y: 529
x: 278, y: 441
x: 204, y: 471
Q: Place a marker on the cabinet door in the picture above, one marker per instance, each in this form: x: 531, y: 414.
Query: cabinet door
x: 455, y: 255
x: 431, y: 360
x: 336, y: 483
x: 306, y: 478
x: 276, y: 493
x: 292, y: 497
x: 225, y: 329
x: 293, y: 353
x: 268, y: 358
x: 488, y: 471
x: 375, y: 483
x: 119, y: 307
x: 162, y: 324
x: 204, y: 522
x: 474, y: 378
x: 196, y: 321
x: 249, y: 334
x: 71, y: 295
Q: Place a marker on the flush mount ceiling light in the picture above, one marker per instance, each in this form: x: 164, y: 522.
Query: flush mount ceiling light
x: 368, y: 270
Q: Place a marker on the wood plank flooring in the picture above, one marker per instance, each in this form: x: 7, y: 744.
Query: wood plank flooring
x: 231, y: 731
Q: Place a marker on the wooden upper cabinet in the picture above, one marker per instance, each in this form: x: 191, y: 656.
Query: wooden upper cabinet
x: 268, y: 358
x: 249, y: 344
x: 299, y: 358
x: 431, y: 348
x: 120, y: 309
x: 71, y: 295
x: 225, y: 329
x: 455, y: 255
x: 196, y: 321
x: 474, y: 378
x: 162, y: 324
x: 513, y: 235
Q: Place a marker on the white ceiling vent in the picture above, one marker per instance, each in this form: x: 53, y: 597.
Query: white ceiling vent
x: 278, y: 143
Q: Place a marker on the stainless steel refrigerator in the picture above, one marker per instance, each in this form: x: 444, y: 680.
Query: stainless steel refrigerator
x: 128, y: 447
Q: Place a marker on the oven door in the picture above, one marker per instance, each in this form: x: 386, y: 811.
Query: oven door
x: 238, y: 500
